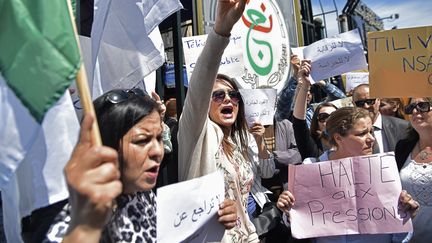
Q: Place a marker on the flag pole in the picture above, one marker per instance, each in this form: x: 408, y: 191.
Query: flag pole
x: 83, y: 87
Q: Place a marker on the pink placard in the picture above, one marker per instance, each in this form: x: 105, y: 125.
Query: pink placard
x: 357, y: 195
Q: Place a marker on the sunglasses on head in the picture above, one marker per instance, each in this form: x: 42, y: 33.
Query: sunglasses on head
x: 218, y: 96
x: 420, y: 106
x: 322, y: 117
x: 361, y: 103
x: 119, y: 95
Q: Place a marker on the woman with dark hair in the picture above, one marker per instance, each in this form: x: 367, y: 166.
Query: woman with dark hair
x: 414, y: 158
x: 350, y: 134
x: 131, y: 127
x: 392, y: 107
x: 318, y: 125
x: 213, y: 135
x: 313, y: 142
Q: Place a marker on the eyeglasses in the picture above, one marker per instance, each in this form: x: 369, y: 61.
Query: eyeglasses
x: 420, y: 106
x: 119, y: 95
x: 218, y: 96
x: 322, y: 117
x: 361, y: 103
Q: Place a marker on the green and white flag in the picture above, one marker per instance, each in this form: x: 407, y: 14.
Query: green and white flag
x: 39, y: 57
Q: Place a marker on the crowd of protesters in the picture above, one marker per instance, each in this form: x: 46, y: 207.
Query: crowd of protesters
x: 112, y: 186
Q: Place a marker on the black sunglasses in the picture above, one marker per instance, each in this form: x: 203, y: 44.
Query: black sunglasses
x: 420, y: 106
x: 218, y: 96
x: 361, y: 103
x: 119, y: 95
x: 322, y: 117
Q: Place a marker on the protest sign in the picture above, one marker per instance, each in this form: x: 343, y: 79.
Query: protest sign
x: 344, y: 102
x: 357, y: 195
x: 232, y: 60
x: 336, y: 55
x: 400, y: 62
x: 260, y: 105
x: 354, y: 79
x: 187, y: 211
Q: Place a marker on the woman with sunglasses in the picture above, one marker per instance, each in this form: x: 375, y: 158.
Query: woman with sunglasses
x: 313, y: 142
x: 414, y: 156
x: 213, y: 135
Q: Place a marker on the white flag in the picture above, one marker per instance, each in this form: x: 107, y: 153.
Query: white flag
x: 126, y: 43
x: 32, y: 157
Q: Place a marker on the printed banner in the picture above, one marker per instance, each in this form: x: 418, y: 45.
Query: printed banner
x: 357, y: 195
x: 400, y: 62
x: 336, y: 55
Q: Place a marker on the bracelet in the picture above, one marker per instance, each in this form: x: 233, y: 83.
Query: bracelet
x: 300, y: 86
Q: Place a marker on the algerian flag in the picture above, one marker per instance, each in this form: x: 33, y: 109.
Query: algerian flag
x: 39, y: 59
x: 39, y: 56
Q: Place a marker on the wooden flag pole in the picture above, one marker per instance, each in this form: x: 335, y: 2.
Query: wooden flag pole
x: 83, y: 87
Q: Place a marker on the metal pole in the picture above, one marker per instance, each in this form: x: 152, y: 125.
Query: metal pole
x: 178, y: 62
x: 194, y: 18
x: 324, y: 18
x: 337, y: 14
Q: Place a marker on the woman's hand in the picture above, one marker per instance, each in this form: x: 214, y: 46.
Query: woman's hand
x: 295, y: 63
x: 305, y: 69
x: 93, y: 179
x: 285, y: 201
x: 257, y: 131
x: 158, y: 100
x: 228, y: 13
x: 408, y: 204
x: 228, y: 213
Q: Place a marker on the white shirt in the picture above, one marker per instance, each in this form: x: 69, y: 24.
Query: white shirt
x: 379, y: 134
x: 416, y: 178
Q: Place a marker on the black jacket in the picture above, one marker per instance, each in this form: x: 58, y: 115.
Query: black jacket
x: 403, y: 149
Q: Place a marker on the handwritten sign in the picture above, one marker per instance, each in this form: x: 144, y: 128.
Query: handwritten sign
x: 336, y: 55
x: 232, y: 59
x: 187, y: 211
x: 400, y: 63
x: 259, y: 105
x: 354, y: 79
x: 357, y: 195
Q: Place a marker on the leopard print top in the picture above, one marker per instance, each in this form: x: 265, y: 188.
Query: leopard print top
x: 133, y: 221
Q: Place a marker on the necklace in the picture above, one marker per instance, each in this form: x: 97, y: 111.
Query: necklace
x: 423, y: 154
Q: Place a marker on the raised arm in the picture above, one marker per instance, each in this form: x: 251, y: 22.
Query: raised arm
x: 286, y: 97
x: 303, y: 86
x: 333, y: 92
x: 94, y: 182
x: 193, y: 121
x: 266, y: 166
x: 307, y: 147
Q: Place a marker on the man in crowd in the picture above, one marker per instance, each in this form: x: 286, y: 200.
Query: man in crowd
x: 387, y: 130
